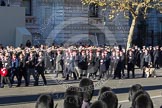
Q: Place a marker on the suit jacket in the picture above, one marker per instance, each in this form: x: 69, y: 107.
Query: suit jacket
x: 156, y: 53
x: 71, y: 64
x: 91, y: 64
x: 97, y: 63
x: 6, y: 64
x: 22, y: 63
x: 145, y: 58
x: 103, y: 64
x: 83, y: 62
x: 59, y: 63
x: 31, y: 62
x: 40, y: 62
x: 118, y: 64
x: 131, y: 59
x: 76, y: 60
x: 15, y: 63
x: 107, y: 61
x: 156, y: 56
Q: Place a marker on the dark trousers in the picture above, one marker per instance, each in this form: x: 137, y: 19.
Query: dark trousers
x: 117, y: 73
x: 13, y: 73
x: 95, y: 71
x: 82, y: 72
x: 102, y: 74
x: 40, y: 71
x: 6, y: 80
x: 156, y: 63
x: 130, y: 68
x: 30, y: 71
x: 22, y: 73
x: 74, y: 74
x: 122, y: 70
x: 66, y: 71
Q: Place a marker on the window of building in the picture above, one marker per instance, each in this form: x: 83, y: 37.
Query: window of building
x: 28, y: 5
x: 93, y: 10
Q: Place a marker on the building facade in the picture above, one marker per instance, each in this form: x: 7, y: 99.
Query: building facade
x: 70, y: 22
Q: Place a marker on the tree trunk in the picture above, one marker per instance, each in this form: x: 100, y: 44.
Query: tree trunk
x: 131, y: 32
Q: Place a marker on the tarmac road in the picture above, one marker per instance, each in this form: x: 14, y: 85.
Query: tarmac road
x: 25, y: 97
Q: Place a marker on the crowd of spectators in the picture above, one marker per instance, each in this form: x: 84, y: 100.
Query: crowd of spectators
x: 81, y: 97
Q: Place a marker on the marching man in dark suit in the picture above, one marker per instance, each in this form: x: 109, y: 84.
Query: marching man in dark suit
x: 91, y: 63
x: 130, y: 63
x: 122, y: 58
x: 22, y: 71
x: 30, y: 65
x: 76, y: 62
x: 118, y: 66
x: 70, y: 70
x: 97, y: 63
x: 107, y: 55
x: 82, y: 63
x: 59, y: 64
x: 40, y: 68
x: 146, y: 58
x: 14, y: 68
x: 102, y: 72
x: 156, y: 56
x: 112, y: 63
x: 66, y: 64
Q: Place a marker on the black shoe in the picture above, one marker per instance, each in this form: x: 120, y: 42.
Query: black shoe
x: 114, y: 77
x: 43, y: 84
x: 2, y: 86
x: 18, y: 86
x: 35, y: 84
x: 84, y: 74
x: 26, y: 85
x: 66, y: 78
x: 75, y: 78
x: 94, y: 78
x: 98, y: 78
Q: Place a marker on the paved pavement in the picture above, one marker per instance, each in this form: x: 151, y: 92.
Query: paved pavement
x: 25, y: 97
